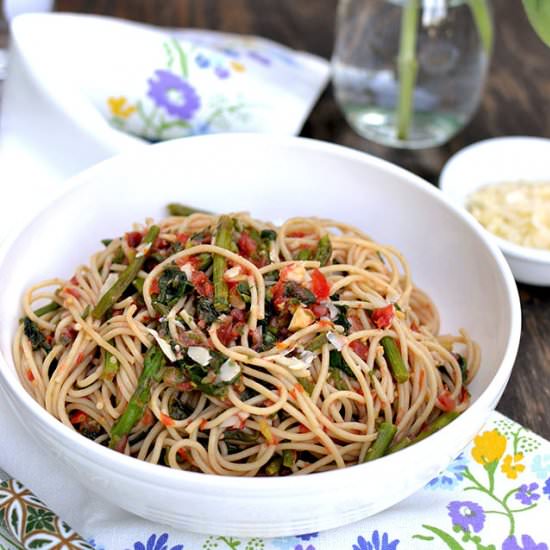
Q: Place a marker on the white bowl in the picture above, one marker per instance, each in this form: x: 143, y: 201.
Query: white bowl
x: 500, y: 160
x: 274, y: 178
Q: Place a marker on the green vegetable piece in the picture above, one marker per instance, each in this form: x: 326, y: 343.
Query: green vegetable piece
x: 244, y: 437
x: 301, y: 293
x: 138, y: 284
x: 244, y: 292
x: 173, y: 285
x: 336, y: 361
x: 177, y: 209
x: 224, y: 235
x: 463, y: 364
x: 317, y: 343
x: 48, y: 308
x: 324, y: 250
x: 273, y: 467
x: 304, y: 254
x: 386, y: 433
x: 394, y: 359
x: 178, y: 410
x: 405, y: 442
x: 289, y: 458
x: 124, y: 279
x: 207, y: 311
x: 342, y: 319
x: 307, y: 384
x: 106, y: 242
x: 153, y: 363
x: 110, y: 366
x: 34, y: 334
x: 268, y: 235
x: 205, y: 261
x: 436, y: 425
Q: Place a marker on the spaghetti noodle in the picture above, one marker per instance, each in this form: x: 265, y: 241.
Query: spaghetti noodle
x: 229, y: 346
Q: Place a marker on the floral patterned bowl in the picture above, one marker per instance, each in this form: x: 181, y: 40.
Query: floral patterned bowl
x: 273, y: 178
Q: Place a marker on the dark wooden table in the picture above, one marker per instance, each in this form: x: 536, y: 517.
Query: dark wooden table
x: 516, y: 101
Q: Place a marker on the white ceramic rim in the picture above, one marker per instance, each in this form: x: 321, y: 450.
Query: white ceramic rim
x: 137, y: 469
x: 509, y: 248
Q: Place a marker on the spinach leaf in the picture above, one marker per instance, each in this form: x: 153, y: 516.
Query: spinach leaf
x: 294, y: 290
x: 33, y: 333
x: 173, y: 284
x: 336, y: 361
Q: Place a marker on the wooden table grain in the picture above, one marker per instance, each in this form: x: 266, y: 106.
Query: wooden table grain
x: 515, y: 102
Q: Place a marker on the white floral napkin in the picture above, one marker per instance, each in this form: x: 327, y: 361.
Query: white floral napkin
x: 494, y: 496
x: 102, y: 82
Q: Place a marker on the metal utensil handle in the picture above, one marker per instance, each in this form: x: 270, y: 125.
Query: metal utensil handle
x: 31, y: 523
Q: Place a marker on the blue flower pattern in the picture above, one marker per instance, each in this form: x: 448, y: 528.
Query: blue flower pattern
x: 376, y: 542
x: 155, y: 542
x: 451, y: 477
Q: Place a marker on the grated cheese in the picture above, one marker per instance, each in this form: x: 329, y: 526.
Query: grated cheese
x: 516, y: 211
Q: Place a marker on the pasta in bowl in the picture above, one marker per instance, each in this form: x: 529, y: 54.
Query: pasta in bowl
x: 434, y: 250
x: 226, y: 345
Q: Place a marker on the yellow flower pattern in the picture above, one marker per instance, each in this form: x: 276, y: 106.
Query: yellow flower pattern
x: 511, y: 465
x: 119, y: 107
x: 488, y: 447
x: 239, y: 67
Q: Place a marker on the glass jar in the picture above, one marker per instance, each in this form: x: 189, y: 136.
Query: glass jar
x: 410, y: 73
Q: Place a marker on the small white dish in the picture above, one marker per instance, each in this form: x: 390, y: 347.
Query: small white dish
x: 500, y: 160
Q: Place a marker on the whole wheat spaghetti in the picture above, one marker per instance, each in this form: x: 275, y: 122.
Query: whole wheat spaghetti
x: 229, y: 346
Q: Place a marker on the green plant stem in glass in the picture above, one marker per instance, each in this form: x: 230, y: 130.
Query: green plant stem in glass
x: 408, y: 65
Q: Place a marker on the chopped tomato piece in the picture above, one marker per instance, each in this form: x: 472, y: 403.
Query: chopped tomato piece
x: 382, y: 317
x: 302, y: 429
x: 30, y: 375
x: 182, y: 238
x: 238, y: 315
x: 133, y: 238
x: 296, y: 234
x: 79, y: 358
x: 147, y: 419
x: 72, y: 292
x: 202, y: 284
x: 445, y: 402
x: 228, y: 331
x: 74, y: 280
x: 361, y: 349
x: 246, y: 244
x: 182, y: 453
x: 154, y: 288
x: 161, y: 244
x: 78, y: 417
x: 184, y: 386
x: 319, y: 310
x: 166, y: 420
x: 319, y: 285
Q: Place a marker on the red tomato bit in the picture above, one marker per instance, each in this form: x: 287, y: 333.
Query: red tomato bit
x: 383, y: 317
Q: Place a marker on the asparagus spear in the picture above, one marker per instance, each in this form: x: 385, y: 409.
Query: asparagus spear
x: 405, y: 442
x: 223, y: 240
x: 386, y: 433
x: 393, y: 356
x: 177, y: 209
x: 317, y: 343
x: 153, y: 363
x: 273, y: 466
x: 48, y: 308
x: 125, y: 279
x: 435, y: 426
x: 110, y: 366
x: 324, y: 250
